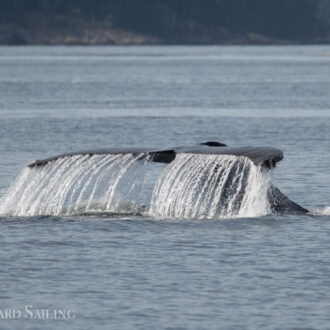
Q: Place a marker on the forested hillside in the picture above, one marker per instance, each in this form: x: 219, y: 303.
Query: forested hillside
x: 164, y: 21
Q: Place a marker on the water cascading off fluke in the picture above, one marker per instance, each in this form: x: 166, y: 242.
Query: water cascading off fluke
x: 78, y: 184
x: 210, y: 186
x: 206, y: 181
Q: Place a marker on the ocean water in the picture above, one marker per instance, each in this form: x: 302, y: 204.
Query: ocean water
x: 114, y: 266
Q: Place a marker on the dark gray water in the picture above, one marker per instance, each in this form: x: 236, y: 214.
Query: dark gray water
x: 125, y: 271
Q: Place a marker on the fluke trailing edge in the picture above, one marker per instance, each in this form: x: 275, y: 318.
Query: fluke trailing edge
x: 266, y: 156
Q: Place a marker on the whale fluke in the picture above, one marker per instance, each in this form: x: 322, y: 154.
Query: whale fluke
x: 267, y: 156
x: 234, y: 182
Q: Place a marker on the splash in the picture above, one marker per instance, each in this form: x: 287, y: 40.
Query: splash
x: 192, y: 186
x: 326, y: 210
x: 323, y: 211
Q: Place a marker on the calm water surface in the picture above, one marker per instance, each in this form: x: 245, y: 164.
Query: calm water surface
x: 138, y: 272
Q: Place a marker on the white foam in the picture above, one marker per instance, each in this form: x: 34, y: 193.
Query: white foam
x: 324, y: 211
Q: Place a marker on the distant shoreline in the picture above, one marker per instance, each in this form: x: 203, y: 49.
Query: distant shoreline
x: 102, y: 34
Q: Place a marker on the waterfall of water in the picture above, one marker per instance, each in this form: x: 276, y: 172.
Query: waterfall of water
x: 78, y: 184
x: 192, y: 186
x: 209, y: 186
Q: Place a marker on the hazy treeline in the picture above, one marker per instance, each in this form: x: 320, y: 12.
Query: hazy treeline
x: 283, y: 19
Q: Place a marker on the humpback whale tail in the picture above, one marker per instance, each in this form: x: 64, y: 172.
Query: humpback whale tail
x: 266, y: 156
x: 209, y: 180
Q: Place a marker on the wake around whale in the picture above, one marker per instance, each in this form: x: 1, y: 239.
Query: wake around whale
x: 206, y: 181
